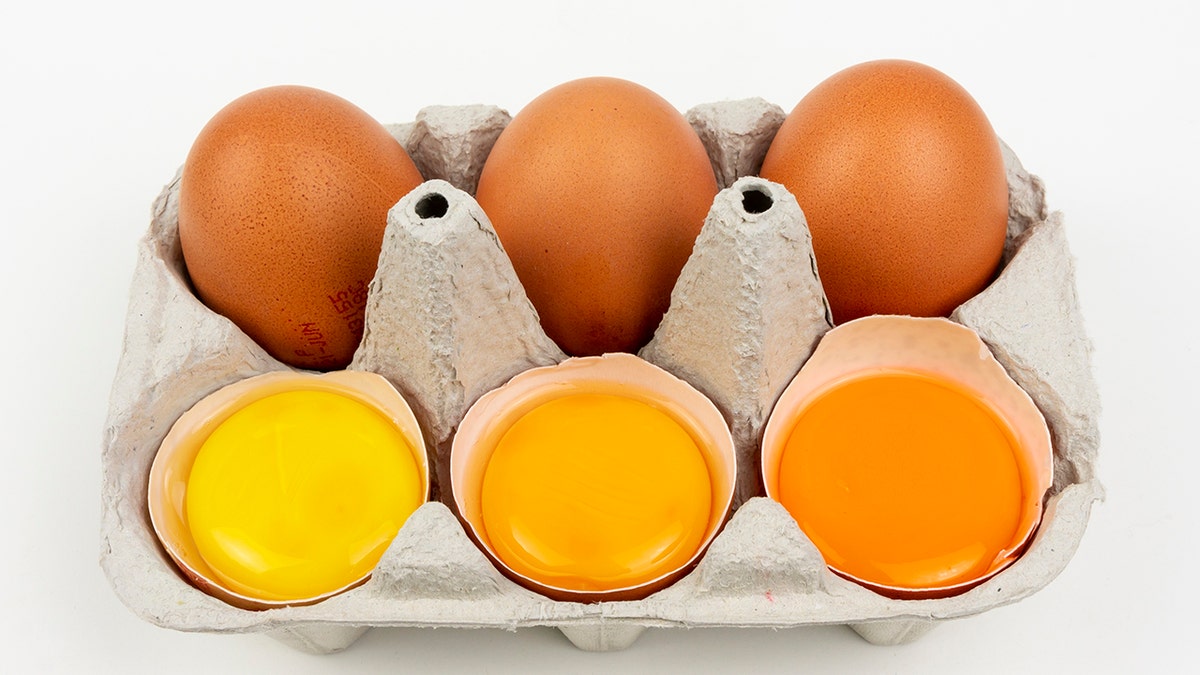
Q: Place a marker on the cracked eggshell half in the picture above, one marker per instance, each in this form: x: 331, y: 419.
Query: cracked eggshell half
x: 171, y: 471
x: 621, y: 376
x: 930, y: 476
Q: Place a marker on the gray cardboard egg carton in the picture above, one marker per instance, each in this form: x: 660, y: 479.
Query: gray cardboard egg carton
x: 447, y: 320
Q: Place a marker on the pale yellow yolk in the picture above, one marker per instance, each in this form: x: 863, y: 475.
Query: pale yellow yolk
x: 298, y: 494
x: 593, y: 492
x: 903, y: 480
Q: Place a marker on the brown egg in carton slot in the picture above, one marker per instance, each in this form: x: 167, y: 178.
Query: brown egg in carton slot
x: 447, y: 321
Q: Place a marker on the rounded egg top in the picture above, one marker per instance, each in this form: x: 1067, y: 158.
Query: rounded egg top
x: 902, y: 181
x: 282, y: 206
x: 597, y: 190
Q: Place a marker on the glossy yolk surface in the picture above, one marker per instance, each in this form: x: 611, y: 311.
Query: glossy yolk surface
x: 299, y: 494
x: 903, y: 480
x: 596, y: 492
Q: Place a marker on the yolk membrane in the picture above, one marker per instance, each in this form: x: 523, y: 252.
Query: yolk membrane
x: 595, y: 492
x: 299, y: 493
x: 903, y: 480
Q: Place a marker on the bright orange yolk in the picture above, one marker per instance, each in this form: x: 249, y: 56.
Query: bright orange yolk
x: 298, y: 494
x: 903, y: 480
x: 594, y: 492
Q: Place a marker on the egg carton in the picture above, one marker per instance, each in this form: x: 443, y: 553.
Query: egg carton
x: 447, y: 321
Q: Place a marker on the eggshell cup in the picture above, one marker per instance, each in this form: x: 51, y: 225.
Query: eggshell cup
x: 169, y: 473
x: 616, y: 374
x: 945, y: 351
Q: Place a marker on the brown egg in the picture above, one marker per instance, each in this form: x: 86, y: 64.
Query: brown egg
x: 597, y: 190
x: 282, y: 206
x: 900, y: 176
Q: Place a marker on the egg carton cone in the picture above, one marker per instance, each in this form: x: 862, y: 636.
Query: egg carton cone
x: 447, y: 320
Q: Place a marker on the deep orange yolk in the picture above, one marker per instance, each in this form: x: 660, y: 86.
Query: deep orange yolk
x: 298, y: 494
x: 594, y: 492
x: 903, y: 480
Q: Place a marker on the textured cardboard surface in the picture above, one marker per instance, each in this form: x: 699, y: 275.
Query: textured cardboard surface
x: 746, y: 312
x: 447, y: 320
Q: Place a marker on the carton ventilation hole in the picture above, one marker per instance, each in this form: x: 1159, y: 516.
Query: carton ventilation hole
x: 432, y: 205
x: 755, y: 200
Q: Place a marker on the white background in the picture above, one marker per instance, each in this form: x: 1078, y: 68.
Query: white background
x: 99, y: 105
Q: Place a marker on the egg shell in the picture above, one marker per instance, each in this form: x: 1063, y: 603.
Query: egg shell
x: 902, y: 180
x: 283, y: 203
x: 168, y: 483
x: 597, y: 190
x: 949, y: 352
x: 625, y: 375
x: 760, y: 571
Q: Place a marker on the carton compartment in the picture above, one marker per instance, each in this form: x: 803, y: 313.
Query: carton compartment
x: 447, y: 321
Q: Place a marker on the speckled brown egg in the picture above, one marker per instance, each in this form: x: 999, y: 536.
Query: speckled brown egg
x: 597, y: 190
x: 282, y: 207
x: 901, y: 178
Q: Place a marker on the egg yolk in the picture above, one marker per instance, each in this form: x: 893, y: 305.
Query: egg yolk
x: 903, y: 480
x: 595, y: 492
x: 298, y: 494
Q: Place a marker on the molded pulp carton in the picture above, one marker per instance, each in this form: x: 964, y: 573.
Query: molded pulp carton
x: 447, y: 320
